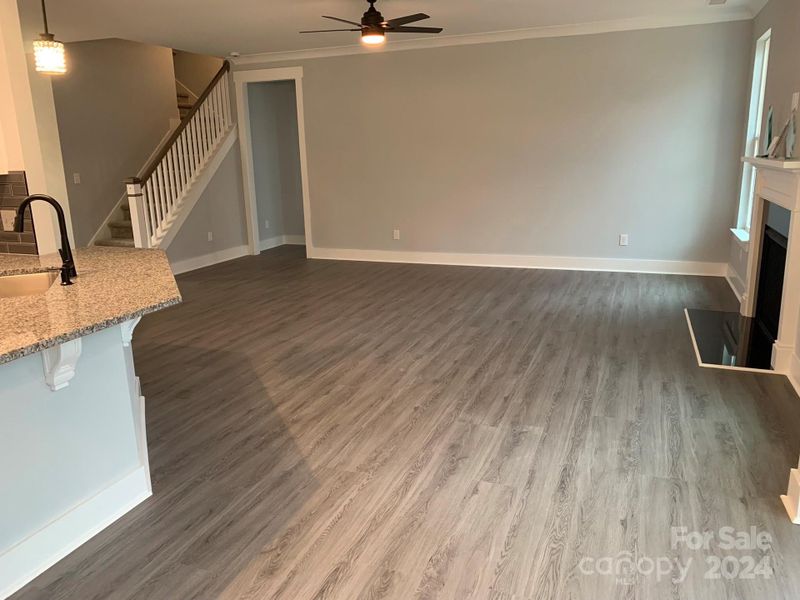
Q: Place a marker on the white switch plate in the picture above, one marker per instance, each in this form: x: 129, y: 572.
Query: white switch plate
x: 7, y: 218
x: 623, y: 239
x: 396, y: 234
x: 795, y: 100
x: 266, y: 223
x: 76, y: 178
x: 210, y: 236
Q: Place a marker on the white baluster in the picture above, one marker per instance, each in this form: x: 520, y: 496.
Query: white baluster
x: 147, y: 226
x: 187, y: 150
x: 169, y: 185
x: 218, y: 109
x: 181, y: 163
x: 174, y: 179
x: 226, y: 98
x: 151, y: 208
x: 161, y: 204
x: 212, y: 107
x: 206, y: 129
x: 195, y: 146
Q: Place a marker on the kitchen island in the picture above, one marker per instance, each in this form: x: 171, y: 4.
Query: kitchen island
x: 73, y: 448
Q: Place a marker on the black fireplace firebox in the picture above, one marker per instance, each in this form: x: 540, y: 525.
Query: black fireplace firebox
x: 768, y: 300
x: 770, y: 281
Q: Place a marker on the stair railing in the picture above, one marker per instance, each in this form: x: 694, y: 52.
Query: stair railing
x: 155, y: 194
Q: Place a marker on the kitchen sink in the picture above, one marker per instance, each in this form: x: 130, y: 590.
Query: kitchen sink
x: 26, y: 285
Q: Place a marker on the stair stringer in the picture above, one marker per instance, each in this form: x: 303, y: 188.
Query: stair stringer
x: 196, y: 188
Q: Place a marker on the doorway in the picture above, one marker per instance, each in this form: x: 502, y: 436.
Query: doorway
x: 272, y: 143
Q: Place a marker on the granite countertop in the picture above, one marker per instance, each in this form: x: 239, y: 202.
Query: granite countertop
x: 113, y: 286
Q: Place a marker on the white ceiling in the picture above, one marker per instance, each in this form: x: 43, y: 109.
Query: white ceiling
x: 255, y: 26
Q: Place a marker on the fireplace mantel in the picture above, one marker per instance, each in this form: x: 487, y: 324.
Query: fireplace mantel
x: 777, y: 181
x: 776, y: 164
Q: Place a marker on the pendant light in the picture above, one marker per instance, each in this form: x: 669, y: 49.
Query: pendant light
x: 48, y: 53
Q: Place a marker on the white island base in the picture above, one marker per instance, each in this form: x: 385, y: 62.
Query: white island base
x: 73, y: 451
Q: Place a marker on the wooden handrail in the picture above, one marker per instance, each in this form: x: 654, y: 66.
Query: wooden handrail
x: 153, y: 164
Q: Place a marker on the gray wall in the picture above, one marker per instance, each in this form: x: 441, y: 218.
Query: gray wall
x: 276, y: 158
x: 113, y: 107
x: 195, y: 71
x: 219, y: 210
x: 538, y: 147
x: 783, y: 77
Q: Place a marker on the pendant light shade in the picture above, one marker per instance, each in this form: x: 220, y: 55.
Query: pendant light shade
x: 48, y: 53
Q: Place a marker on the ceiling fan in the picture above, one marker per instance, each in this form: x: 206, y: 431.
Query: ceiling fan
x: 374, y: 27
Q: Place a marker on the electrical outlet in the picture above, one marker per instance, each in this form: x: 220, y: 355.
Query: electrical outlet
x: 76, y: 178
x: 210, y: 236
x: 396, y: 234
x: 266, y: 223
x: 623, y: 239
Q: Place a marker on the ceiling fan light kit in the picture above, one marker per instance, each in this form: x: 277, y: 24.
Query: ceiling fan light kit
x: 373, y: 27
x: 373, y: 39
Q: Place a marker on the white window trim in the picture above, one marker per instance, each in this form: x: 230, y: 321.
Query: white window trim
x: 755, y: 119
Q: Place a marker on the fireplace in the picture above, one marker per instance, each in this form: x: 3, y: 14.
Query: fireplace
x: 772, y: 281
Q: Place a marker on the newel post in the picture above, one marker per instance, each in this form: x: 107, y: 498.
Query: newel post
x: 141, y: 237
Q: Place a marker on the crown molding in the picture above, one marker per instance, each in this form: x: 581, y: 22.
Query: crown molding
x: 704, y: 17
x: 757, y: 6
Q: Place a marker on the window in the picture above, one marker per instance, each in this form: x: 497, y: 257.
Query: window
x: 754, y: 145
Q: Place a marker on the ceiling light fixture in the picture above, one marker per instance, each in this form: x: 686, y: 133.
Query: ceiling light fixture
x: 373, y: 27
x: 373, y: 37
x: 48, y: 53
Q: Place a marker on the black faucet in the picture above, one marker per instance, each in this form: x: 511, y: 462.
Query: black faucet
x: 67, y: 262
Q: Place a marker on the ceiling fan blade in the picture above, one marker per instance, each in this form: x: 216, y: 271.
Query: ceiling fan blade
x: 329, y: 30
x: 415, y: 30
x: 409, y: 19
x: 342, y: 20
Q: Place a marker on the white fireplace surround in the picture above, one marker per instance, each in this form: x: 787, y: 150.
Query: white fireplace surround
x: 777, y: 181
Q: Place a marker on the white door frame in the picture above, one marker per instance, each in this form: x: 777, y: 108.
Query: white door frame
x: 240, y: 80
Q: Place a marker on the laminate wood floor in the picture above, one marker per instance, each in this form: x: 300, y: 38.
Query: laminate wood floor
x: 352, y: 430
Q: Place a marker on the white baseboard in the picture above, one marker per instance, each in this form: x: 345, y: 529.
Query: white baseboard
x: 29, y: 558
x: 206, y: 260
x: 294, y: 240
x: 569, y: 263
x: 281, y: 240
x: 733, y: 279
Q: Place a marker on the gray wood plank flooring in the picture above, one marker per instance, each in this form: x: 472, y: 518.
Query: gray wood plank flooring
x: 373, y: 431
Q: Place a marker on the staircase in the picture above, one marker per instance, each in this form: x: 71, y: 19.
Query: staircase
x: 161, y: 196
x: 186, y: 99
x: 184, y: 105
x: 120, y: 228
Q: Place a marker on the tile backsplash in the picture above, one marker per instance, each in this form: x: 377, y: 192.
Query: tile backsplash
x: 13, y: 190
